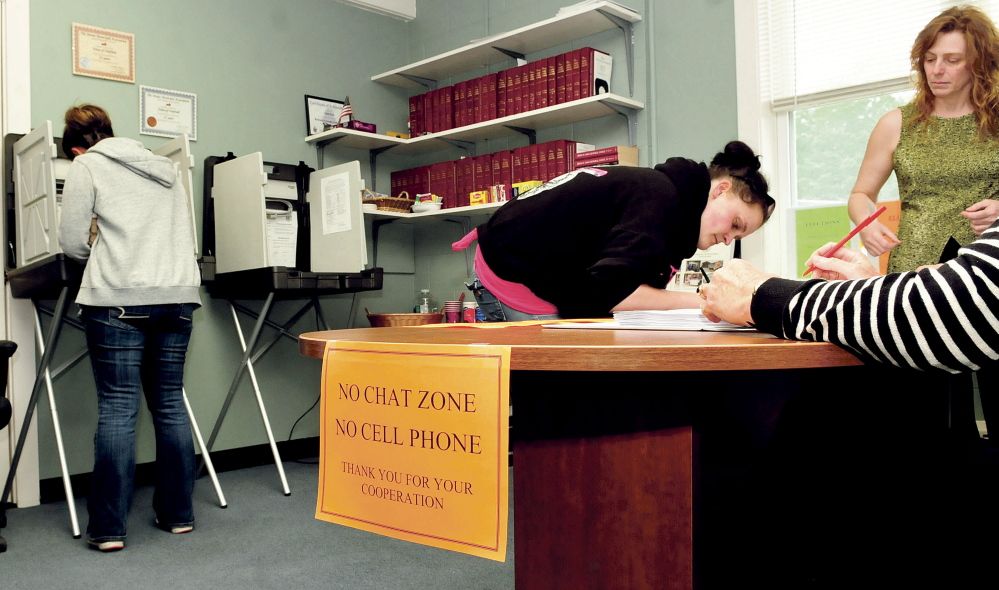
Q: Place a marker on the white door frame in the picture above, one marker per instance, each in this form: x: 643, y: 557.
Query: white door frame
x: 16, y: 321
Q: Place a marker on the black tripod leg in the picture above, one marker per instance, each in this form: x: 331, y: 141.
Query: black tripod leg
x: 43, y: 365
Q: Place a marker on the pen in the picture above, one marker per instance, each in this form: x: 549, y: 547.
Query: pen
x: 707, y: 279
x: 849, y: 236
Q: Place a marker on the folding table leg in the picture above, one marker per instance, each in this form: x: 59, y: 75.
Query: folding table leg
x: 60, y: 311
x: 247, y: 350
x: 204, y: 451
x: 66, y: 483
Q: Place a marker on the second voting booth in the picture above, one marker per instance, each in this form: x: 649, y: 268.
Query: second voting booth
x: 280, y: 231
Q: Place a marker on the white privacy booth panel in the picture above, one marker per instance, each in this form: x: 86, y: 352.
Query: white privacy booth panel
x: 337, y: 237
x: 178, y: 149
x: 240, y: 214
x: 35, y: 198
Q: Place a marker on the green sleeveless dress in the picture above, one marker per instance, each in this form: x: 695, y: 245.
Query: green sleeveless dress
x: 942, y: 169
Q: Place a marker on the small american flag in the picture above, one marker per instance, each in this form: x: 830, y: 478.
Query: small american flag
x: 346, y: 113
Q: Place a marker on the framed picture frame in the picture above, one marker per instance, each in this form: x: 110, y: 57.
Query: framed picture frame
x: 321, y: 114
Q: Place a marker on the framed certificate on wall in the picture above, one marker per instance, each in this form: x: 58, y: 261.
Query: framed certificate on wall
x: 168, y: 113
x: 103, y: 53
x: 321, y: 114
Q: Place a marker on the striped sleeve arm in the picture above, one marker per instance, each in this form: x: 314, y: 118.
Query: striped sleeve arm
x: 941, y: 318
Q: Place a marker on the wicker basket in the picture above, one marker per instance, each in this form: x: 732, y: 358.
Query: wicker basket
x: 400, y: 204
x: 380, y: 320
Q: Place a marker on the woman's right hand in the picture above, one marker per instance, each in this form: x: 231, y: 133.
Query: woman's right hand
x: 840, y: 264
x: 878, y: 239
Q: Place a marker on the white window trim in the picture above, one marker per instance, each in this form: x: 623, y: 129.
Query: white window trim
x: 760, y: 128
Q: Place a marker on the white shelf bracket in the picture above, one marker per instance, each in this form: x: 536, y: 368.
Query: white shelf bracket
x: 629, y: 48
x: 632, y: 116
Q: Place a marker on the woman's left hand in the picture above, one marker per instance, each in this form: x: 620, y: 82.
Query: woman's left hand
x: 982, y: 215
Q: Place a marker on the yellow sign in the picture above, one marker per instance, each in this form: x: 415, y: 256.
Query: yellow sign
x: 414, y: 443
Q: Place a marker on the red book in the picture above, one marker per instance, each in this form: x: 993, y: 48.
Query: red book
x: 599, y: 152
x: 459, y: 102
x: 450, y: 169
x: 541, y: 89
x: 560, y: 161
x: 448, y: 98
x: 490, y: 99
x: 427, y: 111
x: 552, y: 167
x: 572, y: 75
x: 533, y: 173
x: 585, y: 72
x: 597, y: 161
x: 501, y: 94
x: 531, y: 87
x: 497, y: 166
x: 510, y: 90
x: 559, y: 79
x: 517, y: 165
x: 518, y: 90
x: 414, y: 129
x: 506, y: 166
x: 469, y: 166
x: 543, y: 162
x: 550, y: 63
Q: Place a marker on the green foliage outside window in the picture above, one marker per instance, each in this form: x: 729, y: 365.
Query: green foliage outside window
x: 829, y: 145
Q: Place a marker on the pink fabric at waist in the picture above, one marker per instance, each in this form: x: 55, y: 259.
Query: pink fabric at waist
x: 515, y: 295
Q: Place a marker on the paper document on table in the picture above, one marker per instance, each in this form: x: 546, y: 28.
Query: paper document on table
x: 673, y: 319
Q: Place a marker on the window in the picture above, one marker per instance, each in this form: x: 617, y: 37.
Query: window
x: 814, y: 78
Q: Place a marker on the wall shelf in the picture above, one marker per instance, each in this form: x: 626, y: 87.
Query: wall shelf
x: 562, y: 28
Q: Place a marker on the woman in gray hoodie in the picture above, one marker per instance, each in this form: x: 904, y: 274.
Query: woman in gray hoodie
x: 137, y: 298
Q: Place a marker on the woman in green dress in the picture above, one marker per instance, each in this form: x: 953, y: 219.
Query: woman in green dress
x: 943, y: 146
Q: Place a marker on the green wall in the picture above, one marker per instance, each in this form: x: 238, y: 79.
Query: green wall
x: 250, y: 62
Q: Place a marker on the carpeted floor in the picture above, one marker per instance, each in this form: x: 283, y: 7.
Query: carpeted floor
x: 263, y: 539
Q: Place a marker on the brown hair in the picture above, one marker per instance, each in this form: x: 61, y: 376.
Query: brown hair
x: 983, y: 48
x: 86, y: 124
x: 738, y: 163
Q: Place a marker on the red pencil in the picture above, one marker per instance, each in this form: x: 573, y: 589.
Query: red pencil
x: 849, y: 236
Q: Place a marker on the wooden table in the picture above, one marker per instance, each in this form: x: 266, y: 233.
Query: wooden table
x: 606, y: 438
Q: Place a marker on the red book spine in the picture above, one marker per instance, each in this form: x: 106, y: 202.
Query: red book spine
x: 531, y: 86
x: 550, y: 64
x: 559, y: 79
x: 506, y: 167
x: 511, y: 90
x: 599, y: 152
x: 560, y: 161
x: 517, y: 164
x: 463, y: 199
x: 543, y: 162
x: 413, y: 125
x: 605, y: 159
x: 427, y: 112
x: 491, y: 96
x: 458, y: 96
x: 497, y: 166
x: 448, y: 107
x: 542, y: 87
x: 501, y: 94
x: 476, y: 100
x: 534, y: 173
x: 450, y: 169
x: 585, y: 72
x: 574, y: 78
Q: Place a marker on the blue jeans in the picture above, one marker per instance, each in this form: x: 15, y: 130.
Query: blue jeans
x: 133, y: 349
x: 497, y: 311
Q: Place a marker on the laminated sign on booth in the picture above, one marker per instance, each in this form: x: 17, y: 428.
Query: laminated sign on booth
x: 414, y: 443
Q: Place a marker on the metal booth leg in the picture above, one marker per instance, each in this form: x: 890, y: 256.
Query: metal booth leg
x: 66, y: 483
x: 247, y: 365
x: 43, y: 365
x: 204, y: 451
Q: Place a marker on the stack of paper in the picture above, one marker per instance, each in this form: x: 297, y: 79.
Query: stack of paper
x: 674, y: 319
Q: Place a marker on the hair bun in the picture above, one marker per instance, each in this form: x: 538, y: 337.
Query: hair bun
x: 737, y: 155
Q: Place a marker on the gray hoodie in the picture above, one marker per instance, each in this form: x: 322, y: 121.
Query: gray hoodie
x: 144, y: 253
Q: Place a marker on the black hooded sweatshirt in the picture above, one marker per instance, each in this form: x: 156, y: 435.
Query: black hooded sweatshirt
x: 586, y: 240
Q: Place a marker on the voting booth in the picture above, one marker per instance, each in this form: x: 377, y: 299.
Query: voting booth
x: 277, y: 231
x: 37, y: 268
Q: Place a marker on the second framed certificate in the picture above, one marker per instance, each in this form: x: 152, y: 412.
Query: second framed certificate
x: 168, y: 113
